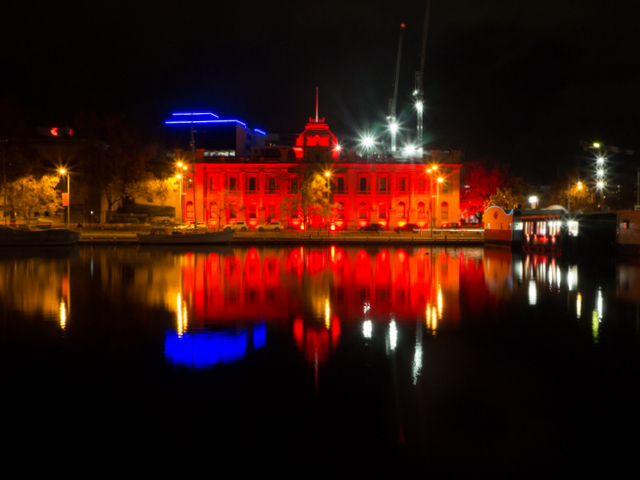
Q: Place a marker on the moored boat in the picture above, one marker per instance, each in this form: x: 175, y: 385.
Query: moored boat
x: 10, y: 236
x: 163, y: 236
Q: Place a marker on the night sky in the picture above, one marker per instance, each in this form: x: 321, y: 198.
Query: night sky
x: 519, y: 82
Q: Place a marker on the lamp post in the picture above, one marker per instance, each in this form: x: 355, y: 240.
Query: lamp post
x: 440, y: 180
x: 181, y: 168
x: 63, y: 171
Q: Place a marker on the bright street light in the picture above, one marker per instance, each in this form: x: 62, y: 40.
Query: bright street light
x: 419, y: 106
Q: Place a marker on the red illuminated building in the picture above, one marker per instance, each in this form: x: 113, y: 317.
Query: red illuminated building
x: 385, y: 190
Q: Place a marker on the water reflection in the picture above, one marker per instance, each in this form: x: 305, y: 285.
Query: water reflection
x: 206, y: 349
x: 317, y: 294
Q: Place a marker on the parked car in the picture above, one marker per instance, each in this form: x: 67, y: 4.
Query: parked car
x: 271, y: 226
x: 450, y: 225
x: 242, y: 226
x: 372, y: 227
x: 407, y: 227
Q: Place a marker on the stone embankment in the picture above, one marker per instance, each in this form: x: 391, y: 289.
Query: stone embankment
x: 443, y: 237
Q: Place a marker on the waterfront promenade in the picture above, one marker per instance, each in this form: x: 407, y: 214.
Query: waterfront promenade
x: 444, y: 236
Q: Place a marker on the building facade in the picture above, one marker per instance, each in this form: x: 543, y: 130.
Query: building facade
x: 258, y: 189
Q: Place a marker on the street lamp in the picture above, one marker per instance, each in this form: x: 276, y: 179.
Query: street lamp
x: 63, y: 171
x: 533, y: 201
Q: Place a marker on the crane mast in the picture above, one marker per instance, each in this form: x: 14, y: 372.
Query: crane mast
x: 393, y: 102
x: 418, y: 92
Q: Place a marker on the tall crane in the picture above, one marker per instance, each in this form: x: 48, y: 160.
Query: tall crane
x: 418, y: 92
x: 393, y: 102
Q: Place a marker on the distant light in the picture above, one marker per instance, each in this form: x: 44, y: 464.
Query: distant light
x: 579, y: 185
x: 533, y: 199
x: 327, y: 174
x: 337, y: 148
x: 596, y: 145
x: 600, y: 184
x: 600, y: 160
x: 600, y: 172
x: 393, y: 126
x: 410, y: 149
x: 62, y: 171
x: 419, y: 106
x: 54, y: 131
x: 259, y: 131
x: 440, y: 179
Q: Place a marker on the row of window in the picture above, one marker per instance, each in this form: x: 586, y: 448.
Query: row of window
x: 271, y: 184
x: 363, y: 211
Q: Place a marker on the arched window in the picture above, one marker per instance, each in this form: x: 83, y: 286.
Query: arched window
x: 421, y: 211
x: 402, y: 210
x: 362, y: 211
x: 382, y: 211
x: 444, y: 210
x: 232, y: 211
x: 340, y: 214
x: 213, y: 210
x: 189, y: 210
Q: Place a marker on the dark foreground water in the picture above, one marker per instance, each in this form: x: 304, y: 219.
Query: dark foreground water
x: 318, y: 362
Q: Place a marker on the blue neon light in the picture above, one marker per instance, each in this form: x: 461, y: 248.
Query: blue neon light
x: 194, y: 113
x: 205, y: 349
x: 259, y: 131
x: 170, y: 122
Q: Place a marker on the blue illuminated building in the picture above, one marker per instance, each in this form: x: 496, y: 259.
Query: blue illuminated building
x: 214, y: 136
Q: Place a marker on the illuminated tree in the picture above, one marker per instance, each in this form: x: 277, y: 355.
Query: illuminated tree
x: 29, y: 196
x: 315, y: 196
x: 505, y: 199
x: 154, y: 189
x: 480, y: 181
x: 290, y: 206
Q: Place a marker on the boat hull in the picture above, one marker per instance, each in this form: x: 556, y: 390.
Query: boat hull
x: 54, y: 236
x: 208, y: 238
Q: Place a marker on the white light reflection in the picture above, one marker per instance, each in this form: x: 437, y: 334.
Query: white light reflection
x: 599, y: 305
x: 440, y: 302
x: 393, y: 335
x: 366, y: 307
x: 572, y: 277
x: 367, y: 329
x: 417, y: 362
x: 63, y: 314
x: 519, y: 271
x: 533, y: 293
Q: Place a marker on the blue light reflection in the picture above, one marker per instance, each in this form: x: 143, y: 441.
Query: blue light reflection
x: 206, y: 349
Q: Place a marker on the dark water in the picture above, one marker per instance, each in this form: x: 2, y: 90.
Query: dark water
x: 319, y: 362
